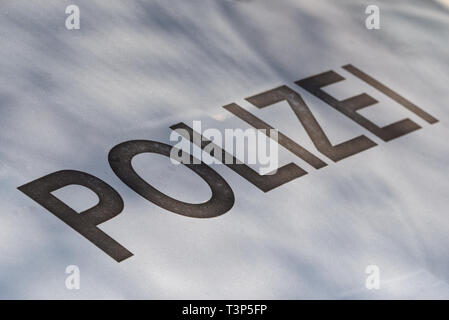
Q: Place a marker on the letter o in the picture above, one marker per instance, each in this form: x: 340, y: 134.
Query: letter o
x: 222, y: 199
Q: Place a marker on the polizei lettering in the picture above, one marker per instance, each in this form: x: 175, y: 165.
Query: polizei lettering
x: 222, y: 200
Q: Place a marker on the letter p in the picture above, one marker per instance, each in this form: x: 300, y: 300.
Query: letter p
x: 86, y: 222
